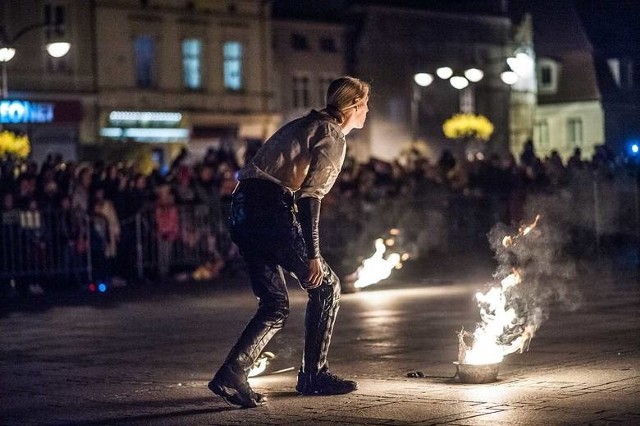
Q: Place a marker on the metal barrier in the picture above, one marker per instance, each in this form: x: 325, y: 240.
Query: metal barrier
x: 49, y: 247
x: 180, y: 240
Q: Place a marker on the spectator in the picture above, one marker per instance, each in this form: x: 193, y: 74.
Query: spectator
x: 528, y: 155
x: 81, y: 190
x: 167, y: 223
x: 183, y: 186
x: 106, y: 229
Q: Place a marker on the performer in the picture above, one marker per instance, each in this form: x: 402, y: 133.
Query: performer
x: 274, y: 219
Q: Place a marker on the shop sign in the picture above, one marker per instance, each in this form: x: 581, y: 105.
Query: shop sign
x: 16, y: 111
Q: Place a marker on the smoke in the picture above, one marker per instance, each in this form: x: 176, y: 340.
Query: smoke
x: 547, y: 275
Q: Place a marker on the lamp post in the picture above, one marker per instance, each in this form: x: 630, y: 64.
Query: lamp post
x: 56, y: 49
x: 421, y: 80
x: 463, y: 81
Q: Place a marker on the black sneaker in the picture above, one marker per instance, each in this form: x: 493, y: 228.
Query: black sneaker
x: 324, y: 383
x: 234, y: 388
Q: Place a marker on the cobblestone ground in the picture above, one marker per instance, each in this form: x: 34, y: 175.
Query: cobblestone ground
x: 146, y: 358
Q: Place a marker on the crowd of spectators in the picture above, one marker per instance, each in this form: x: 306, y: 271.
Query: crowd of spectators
x: 111, y: 195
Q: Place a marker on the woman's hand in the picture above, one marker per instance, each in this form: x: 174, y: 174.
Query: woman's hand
x: 316, y: 272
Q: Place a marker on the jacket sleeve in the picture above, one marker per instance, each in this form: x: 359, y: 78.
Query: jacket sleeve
x: 309, y: 214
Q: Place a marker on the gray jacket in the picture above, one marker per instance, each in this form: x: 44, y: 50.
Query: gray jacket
x: 305, y: 155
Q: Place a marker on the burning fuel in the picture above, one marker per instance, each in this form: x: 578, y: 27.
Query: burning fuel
x: 261, y: 364
x: 379, y: 267
x: 531, y: 274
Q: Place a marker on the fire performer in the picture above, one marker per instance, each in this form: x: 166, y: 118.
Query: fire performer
x: 274, y: 221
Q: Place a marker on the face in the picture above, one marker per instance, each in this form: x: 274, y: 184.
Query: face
x: 360, y: 114
x: 357, y: 116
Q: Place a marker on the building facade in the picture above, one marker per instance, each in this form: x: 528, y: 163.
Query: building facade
x: 569, y: 113
x: 180, y: 73
x: 308, y: 55
x: 391, y: 45
x: 52, y: 100
x: 612, y: 30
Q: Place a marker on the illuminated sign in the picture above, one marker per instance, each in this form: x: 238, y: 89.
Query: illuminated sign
x: 145, y: 116
x: 16, y: 111
x: 146, y: 134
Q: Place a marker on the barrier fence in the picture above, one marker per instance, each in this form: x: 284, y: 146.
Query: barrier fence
x: 67, y: 249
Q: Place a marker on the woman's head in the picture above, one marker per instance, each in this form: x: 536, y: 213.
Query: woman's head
x: 345, y: 95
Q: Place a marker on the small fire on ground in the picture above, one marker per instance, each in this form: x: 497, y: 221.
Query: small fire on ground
x: 380, y: 265
x: 261, y: 364
x: 501, y: 330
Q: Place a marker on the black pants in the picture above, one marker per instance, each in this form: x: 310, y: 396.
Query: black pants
x: 264, y: 225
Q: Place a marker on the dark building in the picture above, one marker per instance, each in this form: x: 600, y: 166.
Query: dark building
x: 613, y: 30
x: 388, y: 42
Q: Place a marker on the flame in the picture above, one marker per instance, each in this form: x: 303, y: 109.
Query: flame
x: 377, y: 267
x: 497, y: 318
x: 509, y: 241
x: 261, y: 364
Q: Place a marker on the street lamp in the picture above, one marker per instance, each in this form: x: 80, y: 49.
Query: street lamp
x: 444, y: 72
x: 56, y: 49
x: 508, y: 76
x: 422, y: 79
x: 474, y: 75
x: 462, y: 82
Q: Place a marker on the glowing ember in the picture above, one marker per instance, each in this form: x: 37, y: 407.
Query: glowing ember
x: 500, y: 332
x: 261, y: 364
x: 377, y: 267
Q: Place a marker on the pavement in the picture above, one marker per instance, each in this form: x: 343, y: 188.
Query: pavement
x: 144, y: 357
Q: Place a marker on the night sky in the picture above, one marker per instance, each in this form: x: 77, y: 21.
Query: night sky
x: 559, y: 25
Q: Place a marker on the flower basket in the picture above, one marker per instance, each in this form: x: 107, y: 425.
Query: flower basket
x: 467, y: 126
x: 14, y: 145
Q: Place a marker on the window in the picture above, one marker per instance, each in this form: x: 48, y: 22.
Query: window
x: 300, y: 92
x: 233, y: 52
x: 191, y: 63
x: 145, y: 55
x: 541, y: 133
x: 547, y: 76
x: 323, y: 86
x: 328, y: 44
x: 299, y: 42
x: 574, y: 132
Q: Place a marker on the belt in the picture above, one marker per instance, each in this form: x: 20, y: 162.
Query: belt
x: 264, y: 188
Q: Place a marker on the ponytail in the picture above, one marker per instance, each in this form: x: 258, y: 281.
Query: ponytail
x: 345, y: 93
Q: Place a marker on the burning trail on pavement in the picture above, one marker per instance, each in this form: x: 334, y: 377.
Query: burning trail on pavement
x: 379, y: 266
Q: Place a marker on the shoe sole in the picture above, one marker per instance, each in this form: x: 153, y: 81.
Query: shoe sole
x: 307, y: 393
x: 232, y: 396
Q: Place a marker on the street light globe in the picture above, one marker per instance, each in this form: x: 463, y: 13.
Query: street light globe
x: 423, y: 79
x: 474, y: 75
x: 58, y: 49
x: 7, y: 53
x: 509, y: 77
x: 522, y: 64
x: 459, y: 82
x: 444, y: 72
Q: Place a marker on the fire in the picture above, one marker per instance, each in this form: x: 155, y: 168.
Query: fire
x: 377, y: 267
x: 261, y: 364
x: 499, y: 319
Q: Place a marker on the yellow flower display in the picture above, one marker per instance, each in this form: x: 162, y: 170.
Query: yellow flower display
x: 12, y: 144
x: 468, y: 125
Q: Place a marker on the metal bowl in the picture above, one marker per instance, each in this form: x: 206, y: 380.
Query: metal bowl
x: 477, y: 373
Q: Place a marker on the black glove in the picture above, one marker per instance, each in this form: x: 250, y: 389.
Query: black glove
x: 309, y: 215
